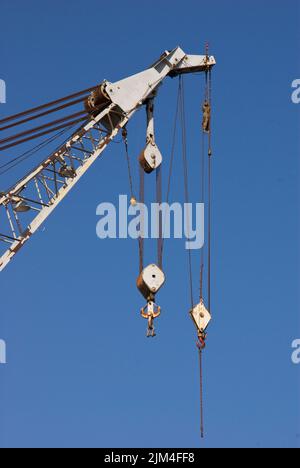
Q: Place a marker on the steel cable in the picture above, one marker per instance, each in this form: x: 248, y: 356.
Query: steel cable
x: 44, y: 106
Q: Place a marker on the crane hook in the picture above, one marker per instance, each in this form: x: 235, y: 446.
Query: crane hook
x: 201, y: 343
x: 150, y: 312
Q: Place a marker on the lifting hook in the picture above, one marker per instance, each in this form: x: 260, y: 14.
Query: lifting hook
x: 150, y: 312
x: 201, y: 343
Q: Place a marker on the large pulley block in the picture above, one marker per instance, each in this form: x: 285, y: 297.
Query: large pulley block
x: 150, y: 158
x: 150, y: 281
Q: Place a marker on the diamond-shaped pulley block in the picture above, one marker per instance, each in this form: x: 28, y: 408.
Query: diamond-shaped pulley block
x: 201, y: 317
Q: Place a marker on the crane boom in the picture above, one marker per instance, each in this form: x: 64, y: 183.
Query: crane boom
x: 26, y: 205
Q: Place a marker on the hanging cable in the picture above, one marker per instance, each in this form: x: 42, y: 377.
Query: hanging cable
x: 206, y: 129
x: 209, y: 195
x: 202, y: 201
x: 125, y: 139
x: 209, y: 233
x: 200, y: 343
x: 200, y: 315
x: 185, y: 174
x: 149, y: 161
x: 171, y: 159
x: 159, y: 220
x: 142, y: 214
x: 203, y: 167
x: 201, y: 393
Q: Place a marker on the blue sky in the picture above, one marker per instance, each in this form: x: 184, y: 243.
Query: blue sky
x: 80, y: 371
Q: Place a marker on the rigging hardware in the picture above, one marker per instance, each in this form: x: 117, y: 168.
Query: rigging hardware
x: 150, y: 158
x: 151, y: 278
x: 201, y: 315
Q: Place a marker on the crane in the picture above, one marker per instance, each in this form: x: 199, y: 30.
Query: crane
x: 28, y: 203
x: 108, y: 108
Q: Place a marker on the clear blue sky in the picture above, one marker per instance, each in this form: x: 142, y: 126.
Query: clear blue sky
x: 80, y: 371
